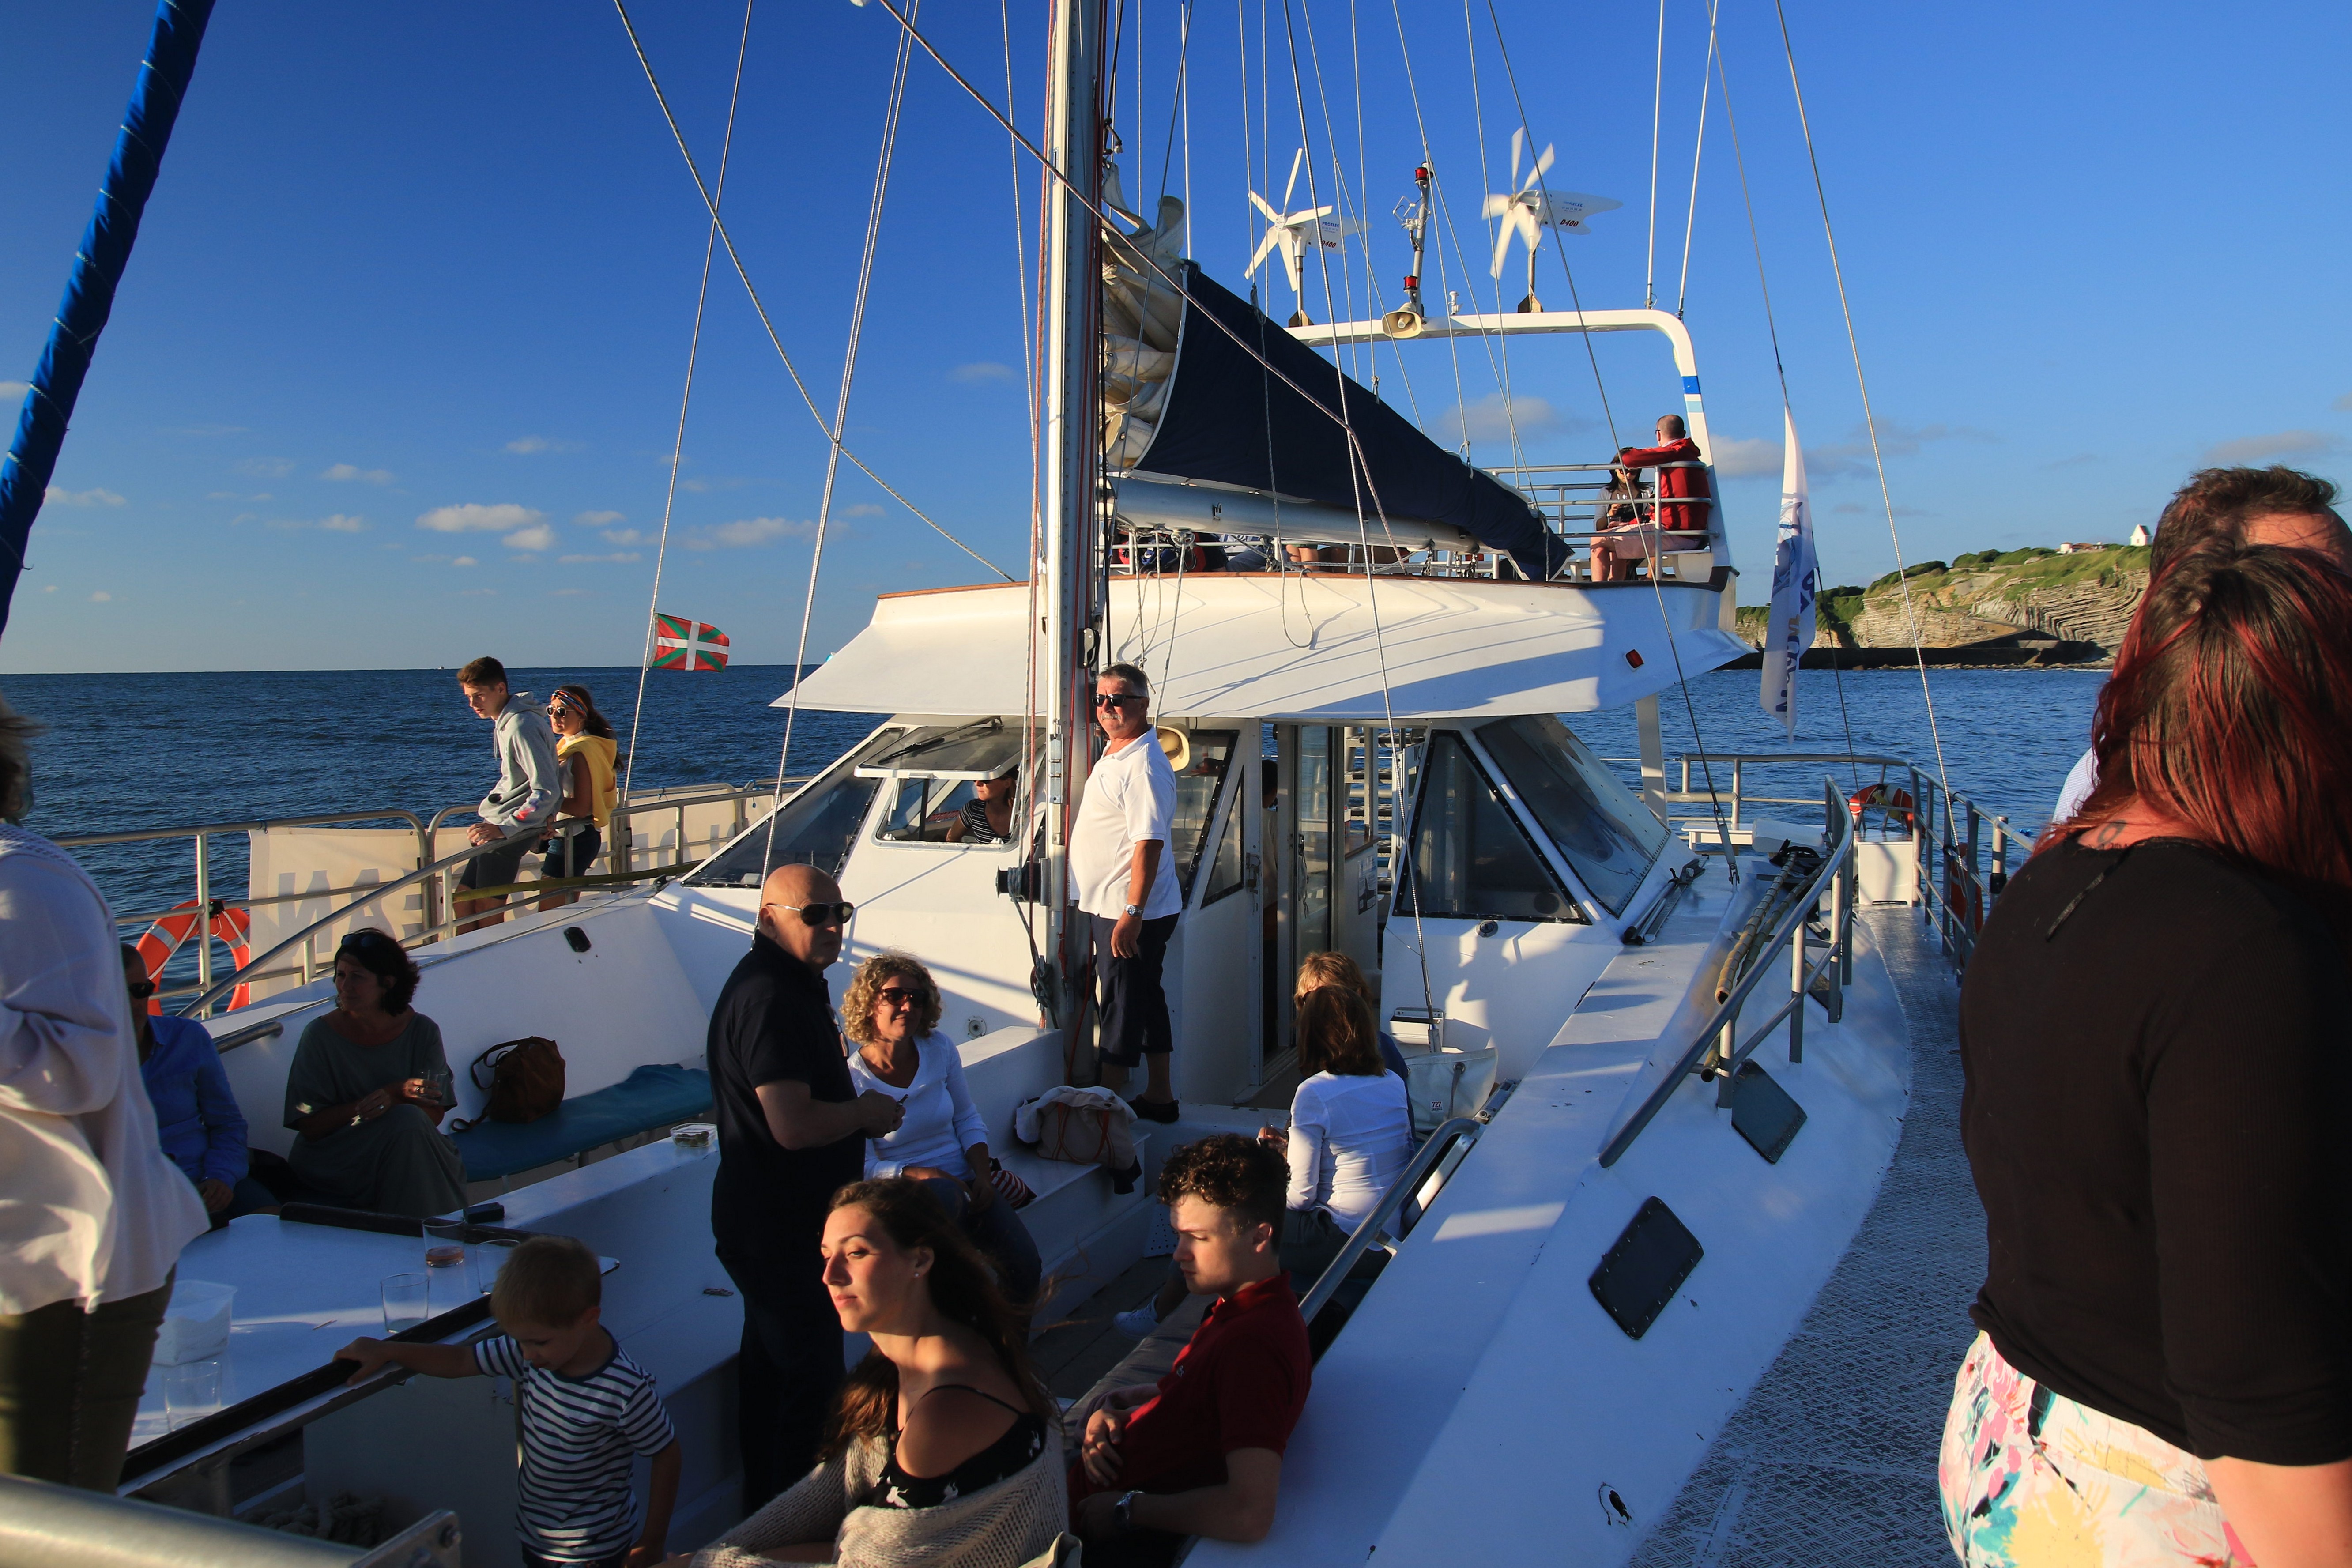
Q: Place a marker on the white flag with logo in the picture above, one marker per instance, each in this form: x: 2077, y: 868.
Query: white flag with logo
x: 1796, y: 582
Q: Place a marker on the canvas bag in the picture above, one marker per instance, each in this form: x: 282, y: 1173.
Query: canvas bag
x: 1084, y: 1127
x: 526, y: 1081
x: 1441, y: 1085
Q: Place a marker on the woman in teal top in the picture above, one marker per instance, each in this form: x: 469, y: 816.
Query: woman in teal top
x: 365, y: 1092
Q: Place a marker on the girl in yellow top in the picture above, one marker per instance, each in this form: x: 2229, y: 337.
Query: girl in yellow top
x: 584, y: 750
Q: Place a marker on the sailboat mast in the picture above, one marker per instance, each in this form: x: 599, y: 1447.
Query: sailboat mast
x: 1071, y: 454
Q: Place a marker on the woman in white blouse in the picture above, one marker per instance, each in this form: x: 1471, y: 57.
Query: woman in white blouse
x: 1350, y: 1130
x: 892, y: 1011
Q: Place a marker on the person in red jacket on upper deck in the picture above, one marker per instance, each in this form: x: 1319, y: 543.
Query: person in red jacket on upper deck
x: 1684, y: 502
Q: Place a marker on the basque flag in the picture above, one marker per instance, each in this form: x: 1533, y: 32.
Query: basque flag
x: 681, y: 643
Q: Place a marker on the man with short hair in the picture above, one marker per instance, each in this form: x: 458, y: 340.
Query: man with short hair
x: 791, y: 1132
x: 1199, y: 1452
x: 2278, y: 506
x: 529, y: 788
x: 1122, y: 877
x: 1683, y: 506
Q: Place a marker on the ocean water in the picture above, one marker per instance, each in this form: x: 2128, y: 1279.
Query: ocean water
x: 129, y: 751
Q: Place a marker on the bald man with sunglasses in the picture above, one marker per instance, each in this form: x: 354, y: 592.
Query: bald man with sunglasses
x: 791, y: 1132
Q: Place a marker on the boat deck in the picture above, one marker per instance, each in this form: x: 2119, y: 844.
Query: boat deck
x: 1831, y: 1458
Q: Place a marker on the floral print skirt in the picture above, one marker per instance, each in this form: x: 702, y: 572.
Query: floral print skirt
x: 2032, y: 1480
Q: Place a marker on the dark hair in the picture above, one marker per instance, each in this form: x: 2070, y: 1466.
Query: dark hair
x: 593, y: 723
x: 548, y: 1282
x: 2216, y: 504
x: 1336, y: 1034
x: 386, y: 959
x: 1227, y: 1171
x: 2231, y: 709
x: 482, y: 671
x: 962, y: 1287
x: 16, y: 763
x: 1138, y: 683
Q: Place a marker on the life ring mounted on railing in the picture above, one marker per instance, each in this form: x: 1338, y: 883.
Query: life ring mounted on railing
x: 1895, y: 804
x: 233, y: 927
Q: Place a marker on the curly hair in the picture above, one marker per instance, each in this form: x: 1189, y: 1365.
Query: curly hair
x: 1227, y: 1171
x: 389, y: 962
x: 962, y: 1287
x: 1336, y: 1034
x: 857, y: 1008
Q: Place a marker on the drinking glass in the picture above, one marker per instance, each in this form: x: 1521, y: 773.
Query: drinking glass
x: 437, y: 1084
x: 448, y: 1271
x: 489, y: 1258
x: 192, y: 1390
x: 404, y: 1300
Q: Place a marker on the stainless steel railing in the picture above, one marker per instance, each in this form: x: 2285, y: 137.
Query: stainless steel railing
x: 64, y: 1527
x: 1454, y: 1138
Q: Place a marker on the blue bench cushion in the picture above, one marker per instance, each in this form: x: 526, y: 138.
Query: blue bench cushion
x: 652, y: 1096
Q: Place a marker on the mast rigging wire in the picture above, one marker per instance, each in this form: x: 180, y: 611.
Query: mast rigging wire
x: 1657, y: 111
x: 1698, y: 150
x: 677, y: 448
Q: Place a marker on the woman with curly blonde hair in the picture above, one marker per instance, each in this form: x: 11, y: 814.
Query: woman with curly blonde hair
x: 892, y: 1011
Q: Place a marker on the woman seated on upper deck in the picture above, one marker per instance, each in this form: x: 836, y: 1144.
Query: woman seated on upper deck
x: 365, y: 1092
x: 892, y: 1011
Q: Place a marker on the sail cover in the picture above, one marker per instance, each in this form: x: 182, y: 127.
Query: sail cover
x: 1222, y: 416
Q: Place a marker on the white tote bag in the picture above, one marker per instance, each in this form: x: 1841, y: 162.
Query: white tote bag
x: 1443, y: 1084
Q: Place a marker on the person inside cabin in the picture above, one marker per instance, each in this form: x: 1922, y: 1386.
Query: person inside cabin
x: 2277, y: 505
x: 93, y: 1213
x: 987, y: 816
x: 196, y: 1117
x: 791, y: 1132
x: 944, y: 1447
x: 1199, y: 1452
x: 1682, y: 509
x: 892, y: 1012
x: 520, y: 804
x: 585, y: 1410
x: 368, y: 1089
x: 584, y: 755
x: 1119, y: 867
x: 2156, y: 1035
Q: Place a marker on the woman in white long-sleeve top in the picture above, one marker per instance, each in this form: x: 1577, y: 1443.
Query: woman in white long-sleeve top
x: 93, y: 1213
x: 892, y: 1011
x: 1350, y: 1130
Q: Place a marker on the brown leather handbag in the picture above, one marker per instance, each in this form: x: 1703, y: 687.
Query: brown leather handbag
x: 526, y: 1081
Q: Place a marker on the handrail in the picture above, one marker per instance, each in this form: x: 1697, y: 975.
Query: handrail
x: 66, y: 1527
x: 263, y: 825
x: 1833, y: 859
x: 1401, y: 1191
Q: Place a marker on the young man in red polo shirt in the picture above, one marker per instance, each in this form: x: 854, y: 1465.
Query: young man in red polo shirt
x: 1199, y: 1452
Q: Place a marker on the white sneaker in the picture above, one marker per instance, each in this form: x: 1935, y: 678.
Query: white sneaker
x: 1138, y: 1325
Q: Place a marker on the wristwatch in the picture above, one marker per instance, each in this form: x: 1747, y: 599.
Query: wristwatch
x: 1134, y: 908
x: 1123, y: 1509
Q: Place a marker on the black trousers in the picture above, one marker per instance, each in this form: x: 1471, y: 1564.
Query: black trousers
x: 788, y: 1370
x: 1134, y: 1004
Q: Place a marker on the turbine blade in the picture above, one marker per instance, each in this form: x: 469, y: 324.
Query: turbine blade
x: 1264, y: 247
x: 1502, y: 247
x: 1518, y: 144
x: 1543, y: 163
x: 1287, y: 189
x: 1260, y: 202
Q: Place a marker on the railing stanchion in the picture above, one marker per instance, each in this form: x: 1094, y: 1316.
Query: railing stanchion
x: 204, y: 915
x: 1797, y: 943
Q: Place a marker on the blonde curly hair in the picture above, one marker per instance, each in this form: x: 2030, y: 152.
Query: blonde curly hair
x: 857, y: 1008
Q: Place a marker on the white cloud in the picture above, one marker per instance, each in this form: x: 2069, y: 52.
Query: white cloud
x: 50, y: 588
x: 1492, y: 417
x: 15, y: 388
x: 528, y: 446
x: 751, y: 531
x: 1739, y: 457
x: 1852, y: 457
x: 2284, y: 444
x: 267, y: 467
x: 537, y: 536
x: 465, y: 561
x: 982, y: 369
x: 55, y: 497
x: 102, y: 597
x: 365, y: 476
x: 626, y: 536
x: 344, y: 523
x: 622, y: 556
x: 597, y: 519
x: 475, y: 518
x: 863, y: 508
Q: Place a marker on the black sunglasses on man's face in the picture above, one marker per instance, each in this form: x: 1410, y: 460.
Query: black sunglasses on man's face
x: 822, y: 914
x: 1114, y: 698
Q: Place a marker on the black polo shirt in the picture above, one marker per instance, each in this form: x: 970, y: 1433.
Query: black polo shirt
x: 774, y: 1021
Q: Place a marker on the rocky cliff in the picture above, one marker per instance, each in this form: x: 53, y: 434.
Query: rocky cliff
x: 2022, y: 596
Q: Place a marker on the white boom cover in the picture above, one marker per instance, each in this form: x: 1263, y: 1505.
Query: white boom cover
x: 1296, y: 648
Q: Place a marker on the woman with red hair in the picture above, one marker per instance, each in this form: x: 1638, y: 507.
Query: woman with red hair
x: 2157, y: 1031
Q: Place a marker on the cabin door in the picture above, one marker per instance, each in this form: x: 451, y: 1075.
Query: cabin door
x: 1213, y: 960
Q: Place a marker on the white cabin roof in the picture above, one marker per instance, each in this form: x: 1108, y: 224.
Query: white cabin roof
x: 1294, y: 646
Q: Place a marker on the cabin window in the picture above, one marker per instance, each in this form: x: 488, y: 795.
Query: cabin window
x: 815, y: 828
x: 1196, y: 799
x: 1226, y: 870
x: 1470, y: 860
x: 923, y: 810
x: 1600, y: 827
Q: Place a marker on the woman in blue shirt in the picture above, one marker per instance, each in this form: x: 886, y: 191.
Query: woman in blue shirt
x: 196, y: 1117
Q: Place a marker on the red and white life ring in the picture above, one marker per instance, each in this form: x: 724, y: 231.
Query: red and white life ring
x: 1895, y: 804
x: 233, y: 927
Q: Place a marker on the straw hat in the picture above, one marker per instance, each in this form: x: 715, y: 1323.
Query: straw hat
x: 1178, y: 746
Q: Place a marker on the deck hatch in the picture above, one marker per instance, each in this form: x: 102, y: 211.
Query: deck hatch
x: 1652, y: 1257
x: 1763, y: 1113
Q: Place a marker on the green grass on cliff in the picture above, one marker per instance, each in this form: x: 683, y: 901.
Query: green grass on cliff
x: 2009, y: 574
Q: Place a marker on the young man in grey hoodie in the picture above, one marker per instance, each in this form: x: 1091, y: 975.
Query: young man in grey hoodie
x: 523, y: 802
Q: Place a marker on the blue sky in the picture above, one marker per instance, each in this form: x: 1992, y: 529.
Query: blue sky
x: 395, y: 374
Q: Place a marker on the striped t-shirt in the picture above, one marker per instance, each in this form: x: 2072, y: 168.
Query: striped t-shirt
x: 579, y: 1434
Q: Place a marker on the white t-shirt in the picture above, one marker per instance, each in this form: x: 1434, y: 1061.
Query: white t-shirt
x: 940, y: 1121
x: 1130, y: 796
x: 1349, y: 1138
x: 2077, y: 788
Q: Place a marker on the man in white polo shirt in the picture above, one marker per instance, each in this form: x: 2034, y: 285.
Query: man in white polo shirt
x: 1120, y: 873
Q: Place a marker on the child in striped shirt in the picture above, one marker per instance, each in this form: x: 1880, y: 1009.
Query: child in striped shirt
x: 587, y: 1410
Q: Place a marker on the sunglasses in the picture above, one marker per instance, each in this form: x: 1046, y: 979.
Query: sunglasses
x: 1105, y: 699
x: 900, y: 996
x: 822, y: 914
x: 366, y: 939
x: 142, y: 988
x: 557, y: 710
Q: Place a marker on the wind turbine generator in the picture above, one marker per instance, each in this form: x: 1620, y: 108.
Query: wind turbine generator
x: 1529, y: 208
x: 1292, y: 232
